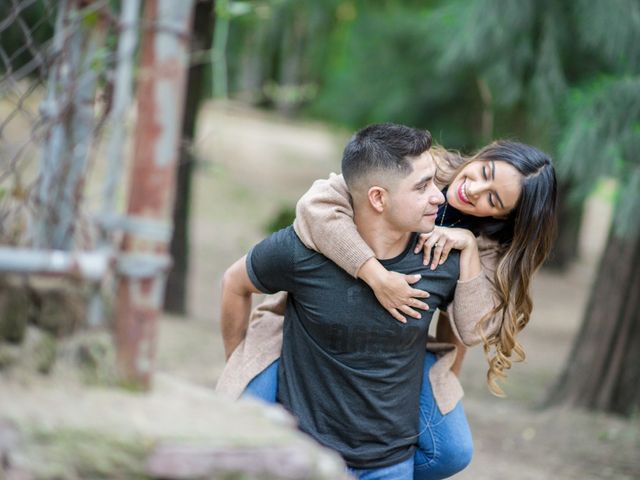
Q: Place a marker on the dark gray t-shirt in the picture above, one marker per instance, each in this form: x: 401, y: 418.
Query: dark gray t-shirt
x: 349, y: 371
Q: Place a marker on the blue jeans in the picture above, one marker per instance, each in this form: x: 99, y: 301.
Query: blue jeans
x: 445, y: 446
x: 399, y: 471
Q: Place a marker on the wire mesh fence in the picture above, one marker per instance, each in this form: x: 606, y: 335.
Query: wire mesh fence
x: 26, y: 34
x: 67, y: 70
x: 57, y: 60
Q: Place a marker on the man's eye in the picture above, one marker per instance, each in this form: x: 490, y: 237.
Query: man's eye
x: 491, y: 202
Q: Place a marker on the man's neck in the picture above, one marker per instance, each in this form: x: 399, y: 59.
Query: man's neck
x: 385, y: 241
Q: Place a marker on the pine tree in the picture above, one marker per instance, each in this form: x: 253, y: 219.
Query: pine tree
x: 603, y: 139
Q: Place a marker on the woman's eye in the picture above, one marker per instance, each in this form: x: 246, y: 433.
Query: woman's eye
x: 491, y: 202
x: 484, y: 172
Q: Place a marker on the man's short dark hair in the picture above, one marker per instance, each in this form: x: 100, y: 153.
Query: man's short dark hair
x: 382, y: 147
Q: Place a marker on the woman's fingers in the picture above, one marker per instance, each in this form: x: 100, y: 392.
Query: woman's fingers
x: 397, y: 315
x: 437, y: 252
x: 445, y: 253
x: 415, y: 303
x: 416, y: 293
x: 409, y: 311
x: 427, y: 247
x: 421, y: 239
x: 433, y: 248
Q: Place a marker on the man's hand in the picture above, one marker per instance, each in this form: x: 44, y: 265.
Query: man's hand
x: 237, y: 289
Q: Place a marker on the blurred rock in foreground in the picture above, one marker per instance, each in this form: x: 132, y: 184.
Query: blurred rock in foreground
x: 56, y: 427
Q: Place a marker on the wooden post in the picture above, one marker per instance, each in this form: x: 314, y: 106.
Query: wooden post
x: 144, y: 260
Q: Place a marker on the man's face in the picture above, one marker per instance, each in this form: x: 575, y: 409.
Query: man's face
x: 413, y: 201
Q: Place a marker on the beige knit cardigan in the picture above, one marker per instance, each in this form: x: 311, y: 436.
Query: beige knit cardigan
x: 324, y: 222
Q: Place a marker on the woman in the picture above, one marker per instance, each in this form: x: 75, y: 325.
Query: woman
x: 505, y: 195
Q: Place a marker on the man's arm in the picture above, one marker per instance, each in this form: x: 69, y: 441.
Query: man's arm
x: 237, y: 289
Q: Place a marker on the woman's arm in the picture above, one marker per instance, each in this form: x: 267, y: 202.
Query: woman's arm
x: 474, y: 298
x: 324, y: 223
x: 474, y: 295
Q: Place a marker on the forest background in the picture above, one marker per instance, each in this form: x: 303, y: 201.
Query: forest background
x: 275, y: 88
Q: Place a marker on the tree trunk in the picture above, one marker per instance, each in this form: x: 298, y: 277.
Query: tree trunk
x: 175, y: 300
x: 565, y: 249
x: 603, y: 371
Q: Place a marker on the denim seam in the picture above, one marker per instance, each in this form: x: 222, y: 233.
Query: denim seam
x: 428, y: 425
x: 433, y: 457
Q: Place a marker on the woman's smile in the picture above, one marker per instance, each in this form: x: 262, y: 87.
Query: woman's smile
x: 462, y: 193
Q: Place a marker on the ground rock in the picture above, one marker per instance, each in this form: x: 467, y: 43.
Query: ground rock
x: 179, y: 430
x: 290, y: 462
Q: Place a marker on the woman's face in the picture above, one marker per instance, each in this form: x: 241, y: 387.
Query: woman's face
x: 485, y: 188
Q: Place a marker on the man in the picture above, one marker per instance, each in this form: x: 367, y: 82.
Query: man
x: 348, y: 372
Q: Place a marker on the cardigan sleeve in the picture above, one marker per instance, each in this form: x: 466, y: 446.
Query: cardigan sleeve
x: 475, y: 298
x: 324, y: 223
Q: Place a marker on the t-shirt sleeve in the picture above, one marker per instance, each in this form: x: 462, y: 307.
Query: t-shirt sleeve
x: 270, y: 263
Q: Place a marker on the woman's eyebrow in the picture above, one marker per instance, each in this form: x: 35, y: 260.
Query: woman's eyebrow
x: 493, y: 176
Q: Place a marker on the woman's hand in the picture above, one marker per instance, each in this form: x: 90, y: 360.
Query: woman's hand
x: 442, y: 240
x: 393, y: 290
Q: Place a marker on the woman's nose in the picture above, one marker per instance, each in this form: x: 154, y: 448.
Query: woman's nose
x: 476, y: 188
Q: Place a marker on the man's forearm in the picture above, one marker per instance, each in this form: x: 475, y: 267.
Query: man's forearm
x: 236, y: 306
x: 234, y: 320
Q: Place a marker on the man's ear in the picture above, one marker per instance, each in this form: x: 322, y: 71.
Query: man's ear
x: 377, y: 198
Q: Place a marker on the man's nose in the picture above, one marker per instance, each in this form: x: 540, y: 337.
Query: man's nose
x: 437, y: 198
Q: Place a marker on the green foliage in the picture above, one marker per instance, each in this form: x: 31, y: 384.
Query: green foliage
x: 26, y: 35
x: 386, y: 69
x: 90, y: 19
x: 283, y: 218
x: 611, y: 31
x: 603, y: 139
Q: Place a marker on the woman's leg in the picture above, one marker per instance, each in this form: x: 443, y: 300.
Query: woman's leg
x: 445, y: 446
x: 399, y: 471
x: 265, y: 385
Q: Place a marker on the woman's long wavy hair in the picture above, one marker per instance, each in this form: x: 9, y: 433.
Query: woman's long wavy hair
x: 524, y: 239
